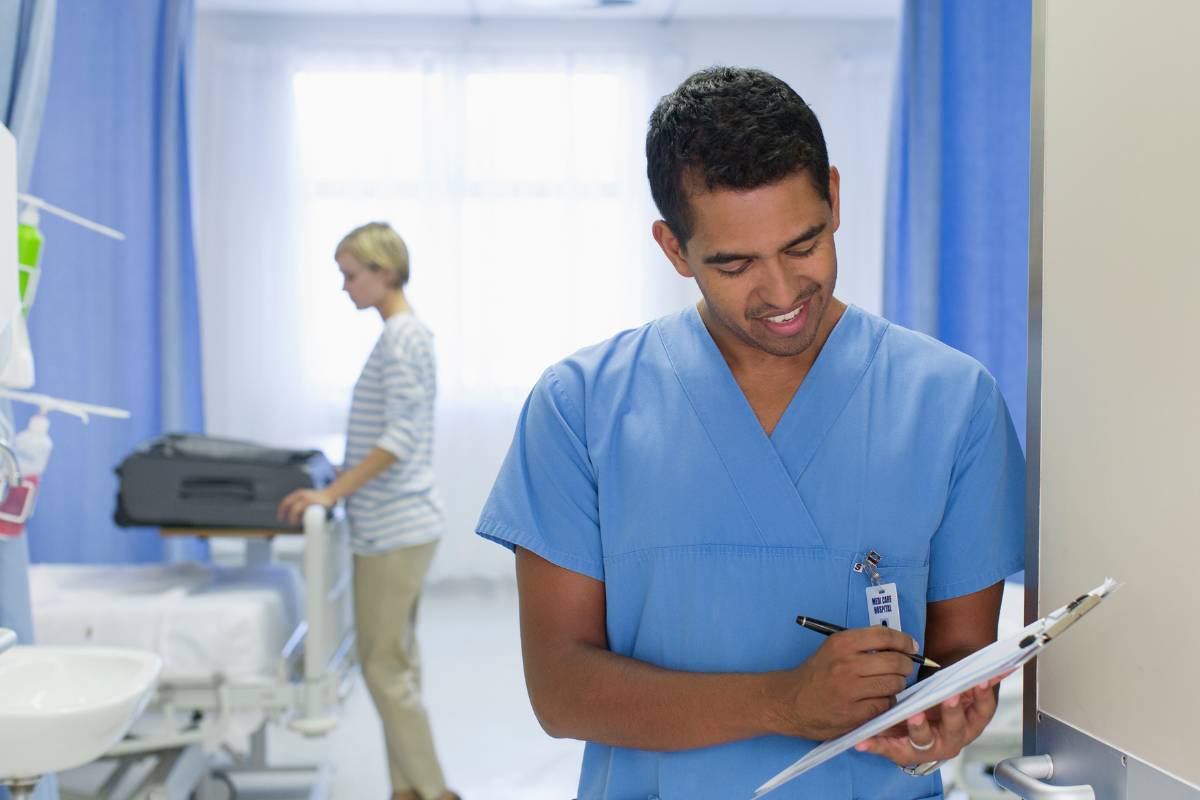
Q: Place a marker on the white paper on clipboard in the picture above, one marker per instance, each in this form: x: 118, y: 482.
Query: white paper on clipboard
x: 995, y: 659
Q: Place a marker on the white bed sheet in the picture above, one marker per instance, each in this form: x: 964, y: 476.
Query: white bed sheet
x: 207, y: 623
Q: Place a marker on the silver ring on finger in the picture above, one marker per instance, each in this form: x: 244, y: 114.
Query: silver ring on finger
x: 920, y: 747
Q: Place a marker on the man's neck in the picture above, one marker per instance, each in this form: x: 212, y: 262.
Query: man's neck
x: 769, y: 381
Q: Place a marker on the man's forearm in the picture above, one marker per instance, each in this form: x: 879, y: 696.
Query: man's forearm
x: 599, y: 696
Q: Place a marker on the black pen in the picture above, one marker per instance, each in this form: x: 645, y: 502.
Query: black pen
x: 828, y: 629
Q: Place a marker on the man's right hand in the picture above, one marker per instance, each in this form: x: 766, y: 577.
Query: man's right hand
x: 854, y: 676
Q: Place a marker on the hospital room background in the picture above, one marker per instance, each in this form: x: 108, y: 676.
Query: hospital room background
x: 233, y: 142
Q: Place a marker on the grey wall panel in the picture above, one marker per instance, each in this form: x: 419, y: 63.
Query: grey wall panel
x: 1120, y: 378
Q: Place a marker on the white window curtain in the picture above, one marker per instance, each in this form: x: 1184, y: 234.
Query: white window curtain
x: 508, y: 177
x: 517, y: 180
x: 510, y: 158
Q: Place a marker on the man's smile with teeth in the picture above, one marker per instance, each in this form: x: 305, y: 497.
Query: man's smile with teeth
x: 788, y: 316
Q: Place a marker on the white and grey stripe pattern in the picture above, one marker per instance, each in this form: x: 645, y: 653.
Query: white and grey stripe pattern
x: 393, y: 410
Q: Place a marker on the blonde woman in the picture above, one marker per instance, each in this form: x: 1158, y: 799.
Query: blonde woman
x: 396, y: 518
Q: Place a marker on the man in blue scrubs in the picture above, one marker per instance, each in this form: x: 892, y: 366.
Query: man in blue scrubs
x: 678, y: 494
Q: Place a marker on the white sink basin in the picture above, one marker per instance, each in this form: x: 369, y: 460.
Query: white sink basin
x: 61, y: 707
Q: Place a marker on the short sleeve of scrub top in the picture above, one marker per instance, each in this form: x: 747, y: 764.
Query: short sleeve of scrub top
x: 544, y: 498
x: 985, y: 505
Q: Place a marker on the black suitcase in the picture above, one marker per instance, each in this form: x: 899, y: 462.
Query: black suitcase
x: 189, y: 481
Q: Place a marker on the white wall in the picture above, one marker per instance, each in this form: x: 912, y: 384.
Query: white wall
x: 843, y: 69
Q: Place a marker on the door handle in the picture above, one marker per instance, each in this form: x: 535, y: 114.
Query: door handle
x: 1024, y: 776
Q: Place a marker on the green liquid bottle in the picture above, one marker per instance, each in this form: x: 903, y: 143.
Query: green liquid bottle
x: 29, y: 256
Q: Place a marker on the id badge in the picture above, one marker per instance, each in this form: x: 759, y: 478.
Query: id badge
x: 883, y: 605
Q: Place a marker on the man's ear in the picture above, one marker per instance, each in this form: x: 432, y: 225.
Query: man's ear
x: 835, y: 196
x: 671, y: 247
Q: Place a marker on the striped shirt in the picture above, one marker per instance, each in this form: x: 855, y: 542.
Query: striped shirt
x: 393, y: 410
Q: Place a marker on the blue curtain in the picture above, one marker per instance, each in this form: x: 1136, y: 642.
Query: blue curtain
x: 957, y: 239
x: 115, y: 323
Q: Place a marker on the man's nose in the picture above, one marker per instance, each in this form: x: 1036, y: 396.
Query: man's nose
x: 781, y: 286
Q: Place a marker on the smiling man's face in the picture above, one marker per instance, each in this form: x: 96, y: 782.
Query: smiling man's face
x: 764, y: 260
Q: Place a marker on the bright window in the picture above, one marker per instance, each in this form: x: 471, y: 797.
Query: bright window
x: 518, y: 193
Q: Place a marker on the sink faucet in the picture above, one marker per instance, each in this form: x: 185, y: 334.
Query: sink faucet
x: 7, y: 639
x: 12, y: 470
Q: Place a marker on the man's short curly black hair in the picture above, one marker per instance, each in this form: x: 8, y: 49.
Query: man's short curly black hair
x: 730, y: 128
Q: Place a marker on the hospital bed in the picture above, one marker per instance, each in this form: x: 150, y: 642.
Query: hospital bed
x: 242, y: 647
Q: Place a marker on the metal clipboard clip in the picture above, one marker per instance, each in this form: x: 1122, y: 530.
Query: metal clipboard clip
x: 1059, y: 621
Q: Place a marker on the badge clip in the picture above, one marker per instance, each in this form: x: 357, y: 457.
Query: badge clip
x: 870, y: 567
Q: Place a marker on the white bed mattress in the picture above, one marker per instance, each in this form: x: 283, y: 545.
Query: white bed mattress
x: 206, y: 622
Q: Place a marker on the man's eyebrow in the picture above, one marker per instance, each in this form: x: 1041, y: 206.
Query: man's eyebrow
x: 722, y: 257
x: 811, y: 233
x: 726, y: 258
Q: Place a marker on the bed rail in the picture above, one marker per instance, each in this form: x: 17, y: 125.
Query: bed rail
x: 329, y: 653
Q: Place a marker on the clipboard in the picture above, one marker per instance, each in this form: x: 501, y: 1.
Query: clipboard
x: 995, y: 659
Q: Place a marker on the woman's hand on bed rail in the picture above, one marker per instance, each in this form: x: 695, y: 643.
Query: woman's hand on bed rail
x: 347, y: 483
x: 291, y: 508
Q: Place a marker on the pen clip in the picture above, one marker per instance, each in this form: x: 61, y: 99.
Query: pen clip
x: 869, y: 565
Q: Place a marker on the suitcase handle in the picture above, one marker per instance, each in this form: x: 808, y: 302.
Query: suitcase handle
x: 216, y: 489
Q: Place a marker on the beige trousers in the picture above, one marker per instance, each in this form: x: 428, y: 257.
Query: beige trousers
x: 386, y: 590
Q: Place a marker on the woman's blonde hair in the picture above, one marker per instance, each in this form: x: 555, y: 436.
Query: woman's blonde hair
x: 378, y: 247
